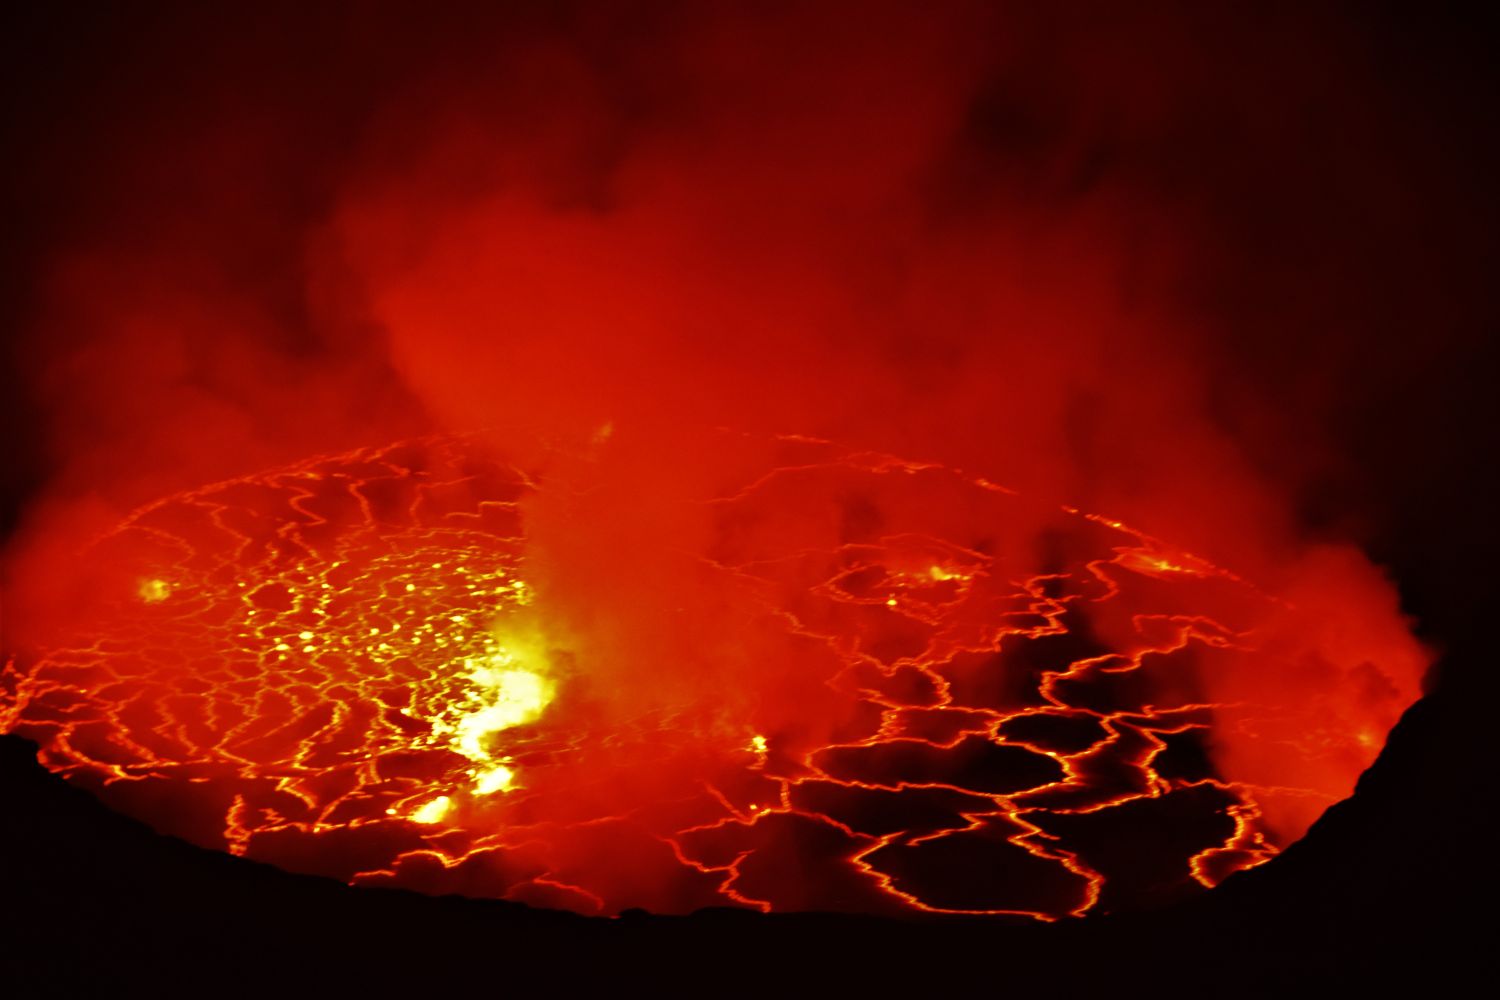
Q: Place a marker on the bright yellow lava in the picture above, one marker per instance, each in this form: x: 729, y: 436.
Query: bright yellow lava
x: 760, y: 748
x: 495, y: 779
x: 154, y: 591
x: 501, y: 697
x: 504, y: 691
x: 433, y: 811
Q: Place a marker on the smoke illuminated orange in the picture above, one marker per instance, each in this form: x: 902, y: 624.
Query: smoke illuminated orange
x: 901, y: 689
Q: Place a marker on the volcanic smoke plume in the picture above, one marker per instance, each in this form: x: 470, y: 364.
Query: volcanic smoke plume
x: 672, y: 455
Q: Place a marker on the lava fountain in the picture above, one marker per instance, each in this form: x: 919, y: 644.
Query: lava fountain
x: 871, y: 685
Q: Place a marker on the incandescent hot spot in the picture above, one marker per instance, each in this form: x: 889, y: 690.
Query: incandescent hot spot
x: 858, y: 684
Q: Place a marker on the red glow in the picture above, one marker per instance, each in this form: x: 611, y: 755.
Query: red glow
x: 831, y: 680
x: 1173, y: 267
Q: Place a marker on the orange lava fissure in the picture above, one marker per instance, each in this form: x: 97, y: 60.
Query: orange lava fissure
x: 918, y: 692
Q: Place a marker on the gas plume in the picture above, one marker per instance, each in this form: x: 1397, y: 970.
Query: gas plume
x: 1007, y: 241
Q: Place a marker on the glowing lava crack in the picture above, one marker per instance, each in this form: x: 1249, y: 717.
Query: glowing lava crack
x: 933, y: 695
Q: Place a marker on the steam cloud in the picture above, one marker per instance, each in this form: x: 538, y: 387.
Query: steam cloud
x: 1042, y: 246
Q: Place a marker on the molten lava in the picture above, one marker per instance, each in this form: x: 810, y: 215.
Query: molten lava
x: 901, y: 690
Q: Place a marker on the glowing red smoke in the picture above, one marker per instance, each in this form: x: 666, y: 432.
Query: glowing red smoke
x: 963, y: 235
